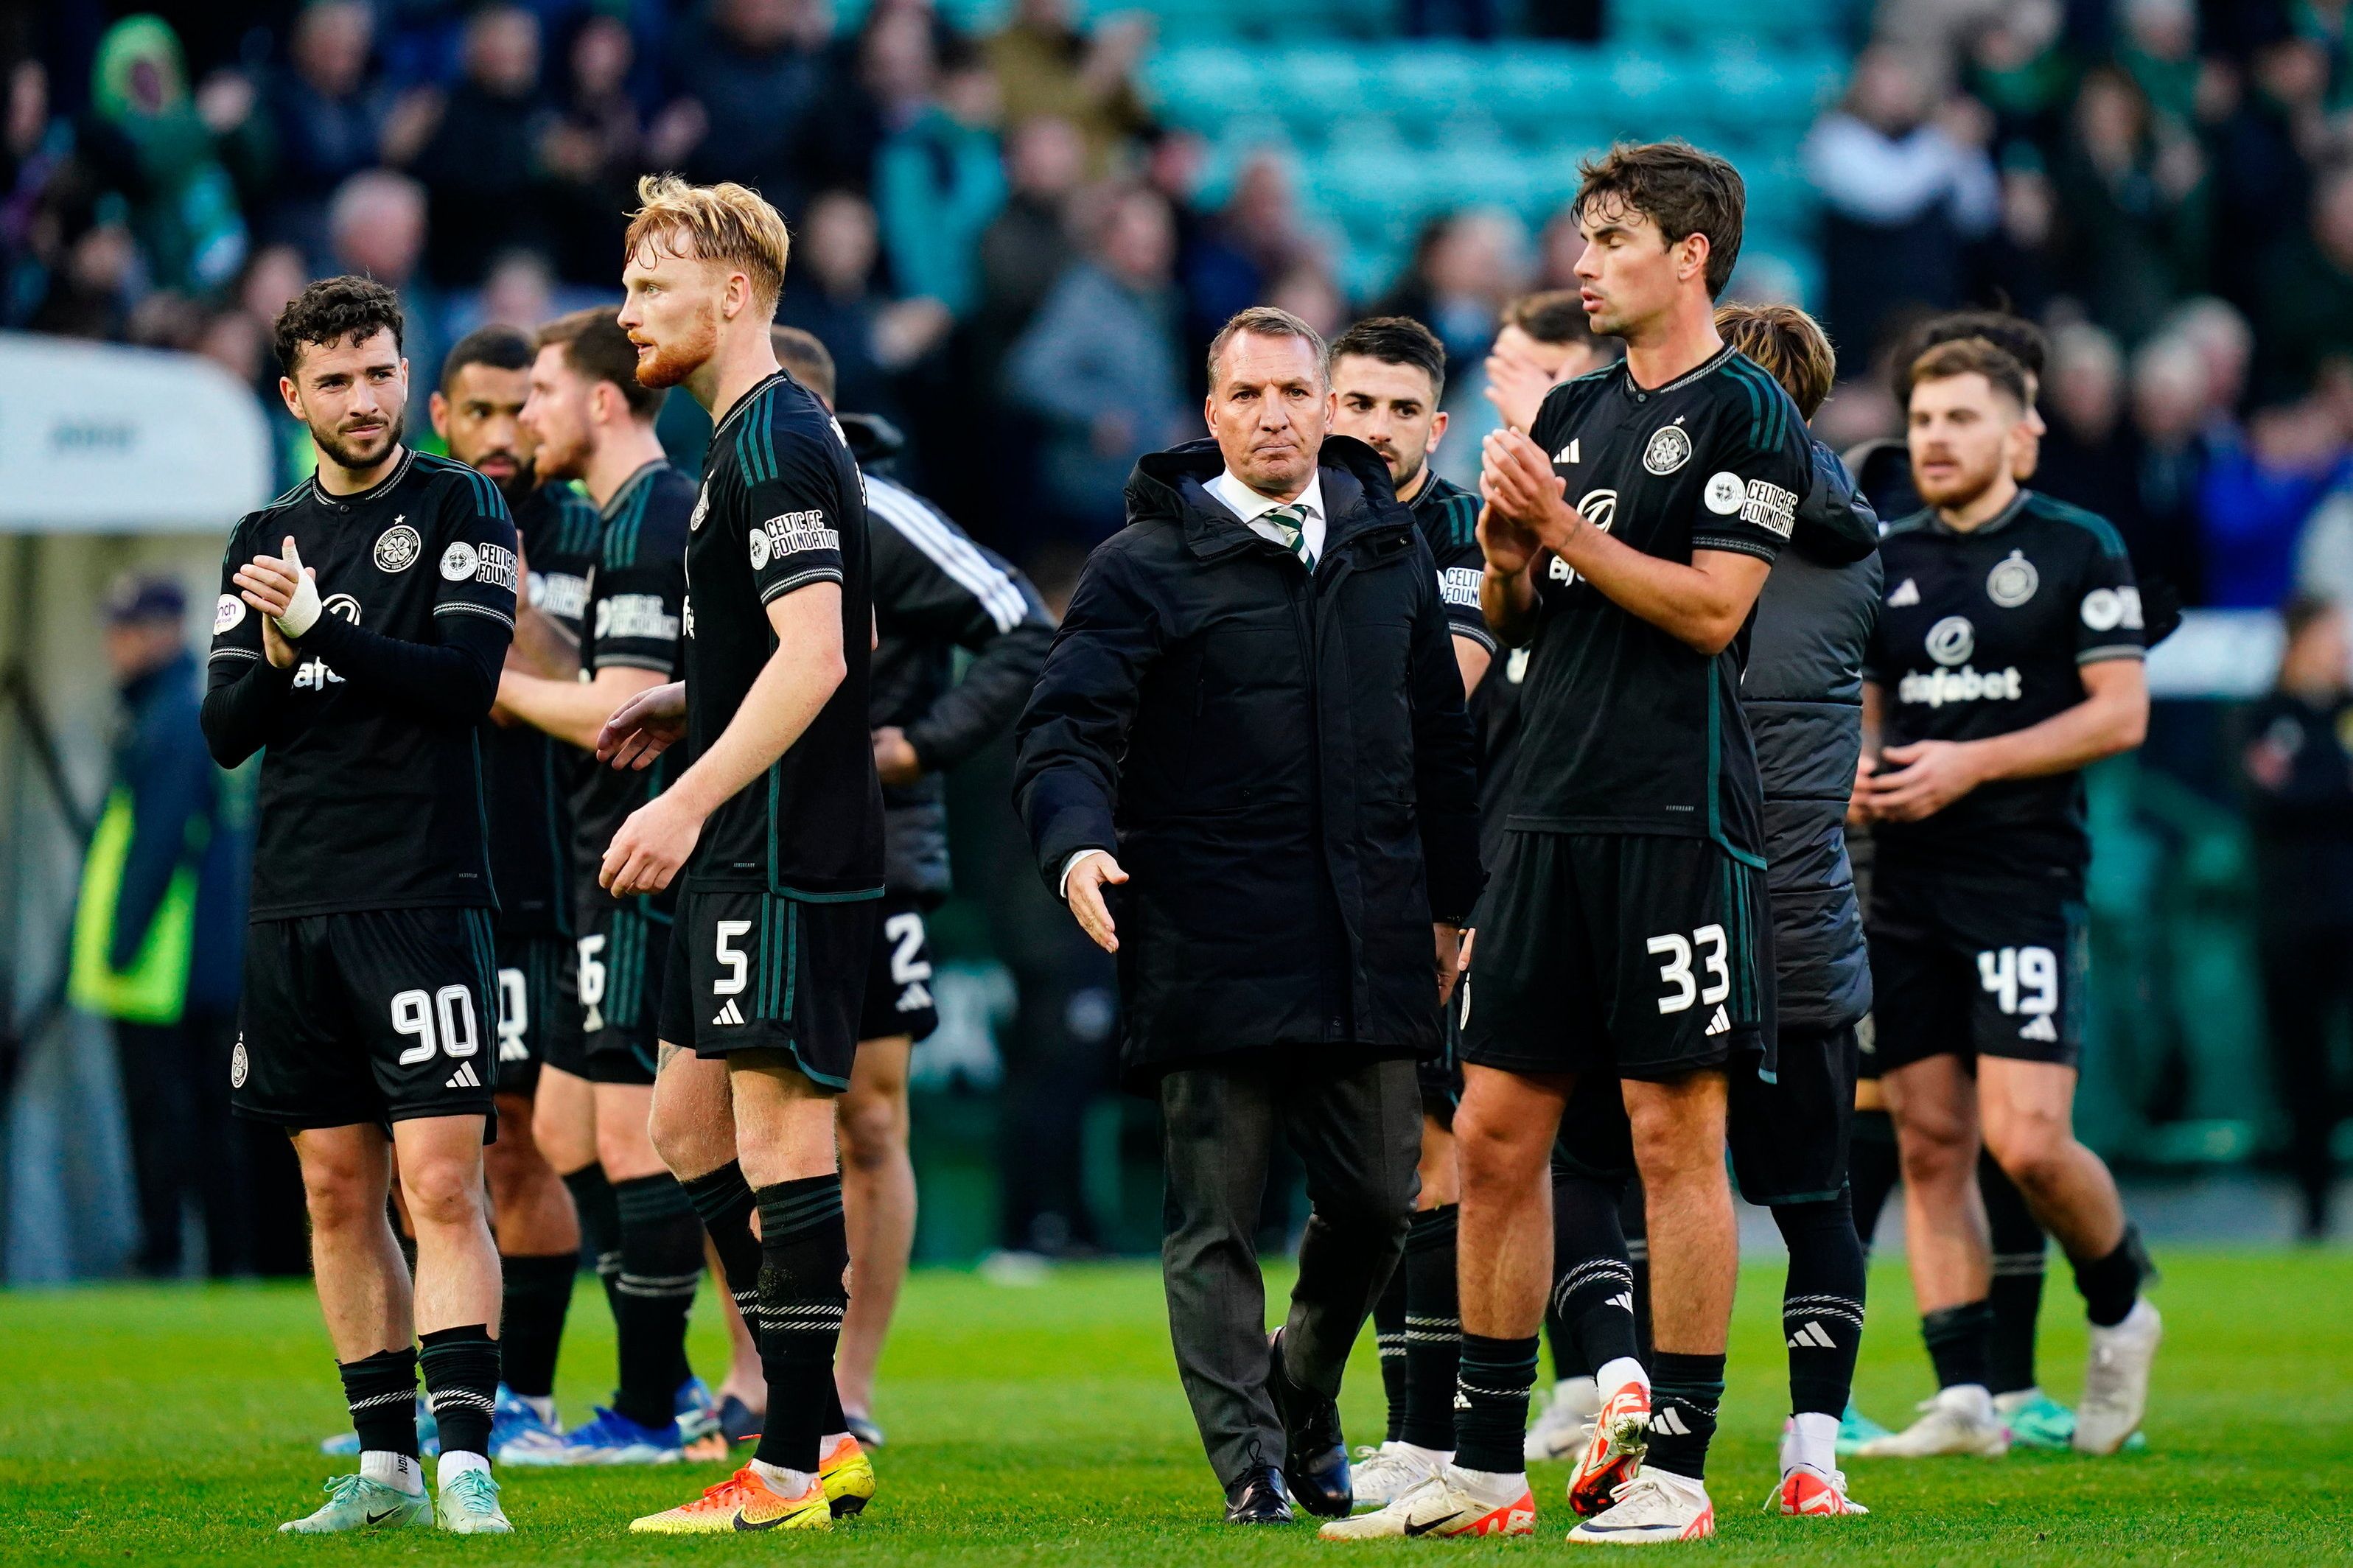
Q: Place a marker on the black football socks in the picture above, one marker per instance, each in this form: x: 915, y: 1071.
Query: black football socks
x: 2016, y: 1296
x: 462, y: 1384
x: 1490, y: 1403
x: 536, y: 1293
x: 724, y: 1201
x: 1685, y: 1390
x: 661, y: 1263
x: 381, y: 1391
x: 1434, y: 1328
x: 1388, y: 1338
x: 1593, y: 1287
x: 803, y: 1253
x: 2111, y: 1284
x: 1957, y: 1340
x: 1873, y: 1170
x: 600, y: 1227
x: 1821, y: 1303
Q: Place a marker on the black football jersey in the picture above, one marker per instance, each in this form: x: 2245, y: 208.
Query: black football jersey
x: 365, y: 805
x: 529, y: 771
x: 783, y: 506
x: 635, y: 615
x: 1981, y: 633
x: 1448, y: 517
x: 1624, y: 729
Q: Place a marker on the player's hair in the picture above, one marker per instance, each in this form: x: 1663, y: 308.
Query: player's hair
x: 345, y: 309
x: 2016, y: 336
x: 805, y: 355
x: 1789, y: 345
x: 1674, y: 184
x: 497, y: 345
x: 598, y: 348
x: 1393, y: 340
x: 1552, y: 316
x: 725, y: 223
x: 1970, y: 356
x: 1265, y: 322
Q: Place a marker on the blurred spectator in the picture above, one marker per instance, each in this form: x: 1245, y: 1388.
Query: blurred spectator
x: 2257, y: 495
x: 158, y: 938
x: 2131, y: 185
x: 481, y: 162
x: 2305, y: 315
x: 326, y: 117
x: 1475, y: 19
x: 2225, y: 346
x: 375, y: 227
x: 1557, y: 249
x: 520, y: 292
x: 1045, y: 65
x: 1466, y: 266
x: 889, y: 77
x: 2169, y: 454
x: 938, y: 184
x: 2159, y: 48
x: 1233, y: 257
x: 830, y: 291
x: 749, y: 71
x: 2017, y: 260
x: 237, y: 343
x: 1904, y: 183
x: 2300, y: 782
x: 163, y: 151
x: 1027, y: 245
x: 1098, y: 364
x: 594, y: 148
x: 2263, y: 126
x: 1310, y: 292
x: 2019, y: 67
x: 2085, y: 459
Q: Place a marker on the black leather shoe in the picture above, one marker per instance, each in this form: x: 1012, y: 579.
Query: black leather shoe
x: 1257, y: 1499
x: 1316, y: 1459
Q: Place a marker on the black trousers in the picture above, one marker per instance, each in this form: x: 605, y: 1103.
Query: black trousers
x: 175, y: 1091
x: 1356, y: 1126
x: 2307, y: 982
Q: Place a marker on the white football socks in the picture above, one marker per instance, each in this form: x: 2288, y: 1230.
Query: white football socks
x: 456, y: 1462
x: 395, y: 1470
x: 1617, y: 1372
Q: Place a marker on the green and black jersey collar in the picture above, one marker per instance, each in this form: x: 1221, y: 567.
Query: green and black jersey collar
x: 358, y: 497
x: 1628, y: 387
x: 638, y: 478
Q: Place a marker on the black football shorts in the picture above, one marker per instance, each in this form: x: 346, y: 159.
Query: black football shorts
x: 537, y: 1008
x: 624, y: 955
x: 899, y: 998
x: 372, y: 1016
x: 759, y: 971
x: 1786, y: 1134
x: 1975, y: 967
x: 1630, y: 955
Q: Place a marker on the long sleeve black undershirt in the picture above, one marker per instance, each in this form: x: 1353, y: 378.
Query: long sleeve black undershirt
x: 455, y: 680
x: 237, y: 713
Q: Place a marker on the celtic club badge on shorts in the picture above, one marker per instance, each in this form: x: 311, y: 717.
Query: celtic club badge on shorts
x: 238, y: 1065
x: 397, y: 548
x: 2012, y: 582
x: 1669, y: 449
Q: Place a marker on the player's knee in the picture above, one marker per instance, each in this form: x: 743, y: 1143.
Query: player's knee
x: 341, y: 1198
x: 873, y: 1133
x: 2031, y: 1151
x: 442, y: 1192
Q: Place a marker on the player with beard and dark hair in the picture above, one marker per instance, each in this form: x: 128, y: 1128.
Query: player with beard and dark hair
x: 1389, y: 374
x: 776, y: 824
x: 363, y: 618
x: 2007, y: 656
x: 474, y: 411
x: 589, y: 421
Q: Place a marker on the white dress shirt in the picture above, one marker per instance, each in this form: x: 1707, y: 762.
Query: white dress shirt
x: 1250, y: 506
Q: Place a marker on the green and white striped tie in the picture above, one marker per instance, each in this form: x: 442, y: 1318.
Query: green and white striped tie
x: 1292, y: 523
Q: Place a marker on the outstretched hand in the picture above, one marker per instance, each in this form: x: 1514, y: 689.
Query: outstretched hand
x: 644, y: 727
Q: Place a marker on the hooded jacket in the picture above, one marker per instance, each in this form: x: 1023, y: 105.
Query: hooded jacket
x: 1281, y: 761
x: 1803, y: 696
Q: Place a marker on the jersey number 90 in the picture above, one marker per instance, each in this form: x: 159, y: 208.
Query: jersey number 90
x: 444, y: 1022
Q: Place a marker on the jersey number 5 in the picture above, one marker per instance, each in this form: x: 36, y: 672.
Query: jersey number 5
x: 417, y: 1016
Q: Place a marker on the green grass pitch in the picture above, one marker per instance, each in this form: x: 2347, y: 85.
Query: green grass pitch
x: 178, y: 1425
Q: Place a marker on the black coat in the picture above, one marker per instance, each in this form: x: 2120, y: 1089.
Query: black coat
x: 1803, y: 696
x: 1283, y: 765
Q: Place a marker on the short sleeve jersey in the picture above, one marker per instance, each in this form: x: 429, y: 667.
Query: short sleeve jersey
x: 364, y: 805
x: 1448, y: 517
x: 634, y: 617
x: 783, y: 507
x: 1983, y: 633
x: 1624, y: 729
x: 529, y: 771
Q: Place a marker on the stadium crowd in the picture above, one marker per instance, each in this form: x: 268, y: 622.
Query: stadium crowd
x: 1012, y: 255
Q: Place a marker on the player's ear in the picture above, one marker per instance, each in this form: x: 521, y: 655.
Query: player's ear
x: 1438, y: 422
x: 290, y: 393
x: 439, y: 406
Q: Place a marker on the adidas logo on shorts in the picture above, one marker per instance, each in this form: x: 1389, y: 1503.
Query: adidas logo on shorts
x: 464, y: 1077
x: 728, y: 1015
x: 1721, y: 1023
x: 2040, y: 1028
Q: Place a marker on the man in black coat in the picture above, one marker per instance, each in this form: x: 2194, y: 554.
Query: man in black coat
x: 1248, y: 769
